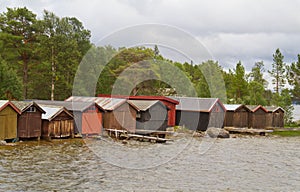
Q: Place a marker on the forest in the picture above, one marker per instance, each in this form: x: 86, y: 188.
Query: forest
x: 40, y: 57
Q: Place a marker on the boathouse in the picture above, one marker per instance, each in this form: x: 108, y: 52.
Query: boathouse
x: 199, y: 113
x: 236, y: 115
x: 258, y: 116
x: 168, y: 102
x: 119, y: 114
x: 151, y: 115
x: 30, y: 120
x: 8, y: 120
x: 87, y: 115
x: 57, y: 122
x: 275, y: 117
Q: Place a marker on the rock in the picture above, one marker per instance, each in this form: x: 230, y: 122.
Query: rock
x: 217, y: 133
x: 2, y: 142
x: 198, y: 134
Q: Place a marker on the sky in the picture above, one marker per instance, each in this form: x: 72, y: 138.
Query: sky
x: 232, y: 30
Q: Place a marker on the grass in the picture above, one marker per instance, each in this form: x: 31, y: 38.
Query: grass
x: 287, y: 133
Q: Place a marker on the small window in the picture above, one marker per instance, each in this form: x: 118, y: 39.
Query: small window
x: 31, y: 109
x: 138, y: 115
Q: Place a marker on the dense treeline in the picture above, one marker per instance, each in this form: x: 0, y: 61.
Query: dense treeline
x: 39, y: 59
x: 44, y: 53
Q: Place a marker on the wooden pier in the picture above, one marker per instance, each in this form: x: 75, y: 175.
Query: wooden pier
x: 261, y: 132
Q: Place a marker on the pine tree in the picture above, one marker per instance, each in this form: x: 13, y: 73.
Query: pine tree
x: 294, y: 77
x: 278, y: 72
x: 10, y: 84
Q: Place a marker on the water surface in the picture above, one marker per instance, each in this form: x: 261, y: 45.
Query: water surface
x: 235, y: 164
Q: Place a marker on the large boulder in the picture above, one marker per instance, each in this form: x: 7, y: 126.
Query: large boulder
x: 217, y: 133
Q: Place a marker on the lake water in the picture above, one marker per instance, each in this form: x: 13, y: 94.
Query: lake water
x: 235, y: 164
x: 296, y: 112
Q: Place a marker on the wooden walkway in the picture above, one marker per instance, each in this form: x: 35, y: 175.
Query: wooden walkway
x: 248, y: 131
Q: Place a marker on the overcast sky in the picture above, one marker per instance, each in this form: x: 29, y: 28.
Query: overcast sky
x: 232, y: 30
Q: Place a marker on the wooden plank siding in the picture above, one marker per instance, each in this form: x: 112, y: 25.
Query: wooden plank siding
x: 8, y: 123
x: 58, y: 128
x: 8, y: 120
x: 216, y: 116
x: 237, y: 116
x: 275, y: 117
x: 87, y: 115
x: 153, y: 118
x: 59, y: 124
x: 258, y: 118
x: 199, y: 113
x: 168, y: 102
x: 30, y: 120
x: 30, y: 124
x: 123, y: 117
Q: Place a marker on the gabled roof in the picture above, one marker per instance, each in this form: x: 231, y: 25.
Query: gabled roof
x: 197, y: 104
x: 70, y: 105
x: 106, y: 103
x: 235, y: 107
x: 254, y: 108
x: 142, y: 97
x: 24, y: 105
x: 273, y: 108
x: 143, y: 105
x: 53, y: 111
x: 5, y: 103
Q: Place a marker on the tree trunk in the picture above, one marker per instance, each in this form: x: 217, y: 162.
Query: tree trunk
x: 53, y: 74
x: 25, y: 75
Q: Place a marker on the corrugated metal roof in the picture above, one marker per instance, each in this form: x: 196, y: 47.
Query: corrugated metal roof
x: 195, y: 103
x: 273, y: 108
x: 232, y: 107
x: 4, y: 103
x: 69, y: 105
x: 254, y: 108
x: 21, y: 104
x: 105, y: 102
x: 142, y: 105
x: 52, y: 111
x: 24, y: 105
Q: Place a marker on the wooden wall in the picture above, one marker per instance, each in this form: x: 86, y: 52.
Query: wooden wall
x: 216, y: 116
x: 258, y: 119
x: 30, y: 124
x: 124, y: 117
x: 60, y: 126
x: 155, y: 118
x: 8, y: 123
x: 192, y: 120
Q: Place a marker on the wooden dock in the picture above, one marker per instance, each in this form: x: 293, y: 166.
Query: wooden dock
x: 141, y: 135
x: 248, y: 131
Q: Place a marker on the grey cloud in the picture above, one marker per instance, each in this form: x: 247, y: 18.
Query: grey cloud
x: 232, y: 30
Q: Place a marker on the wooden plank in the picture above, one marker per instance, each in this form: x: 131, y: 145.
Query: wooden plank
x: 246, y: 130
x: 142, y: 131
x: 148, y: 137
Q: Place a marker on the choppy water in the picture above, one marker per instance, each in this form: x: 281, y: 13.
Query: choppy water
x: 235, y: 164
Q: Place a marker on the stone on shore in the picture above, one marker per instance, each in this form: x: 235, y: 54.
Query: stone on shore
x: 217, y: 133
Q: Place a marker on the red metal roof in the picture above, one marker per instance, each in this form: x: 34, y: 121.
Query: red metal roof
x: 142, y: 97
